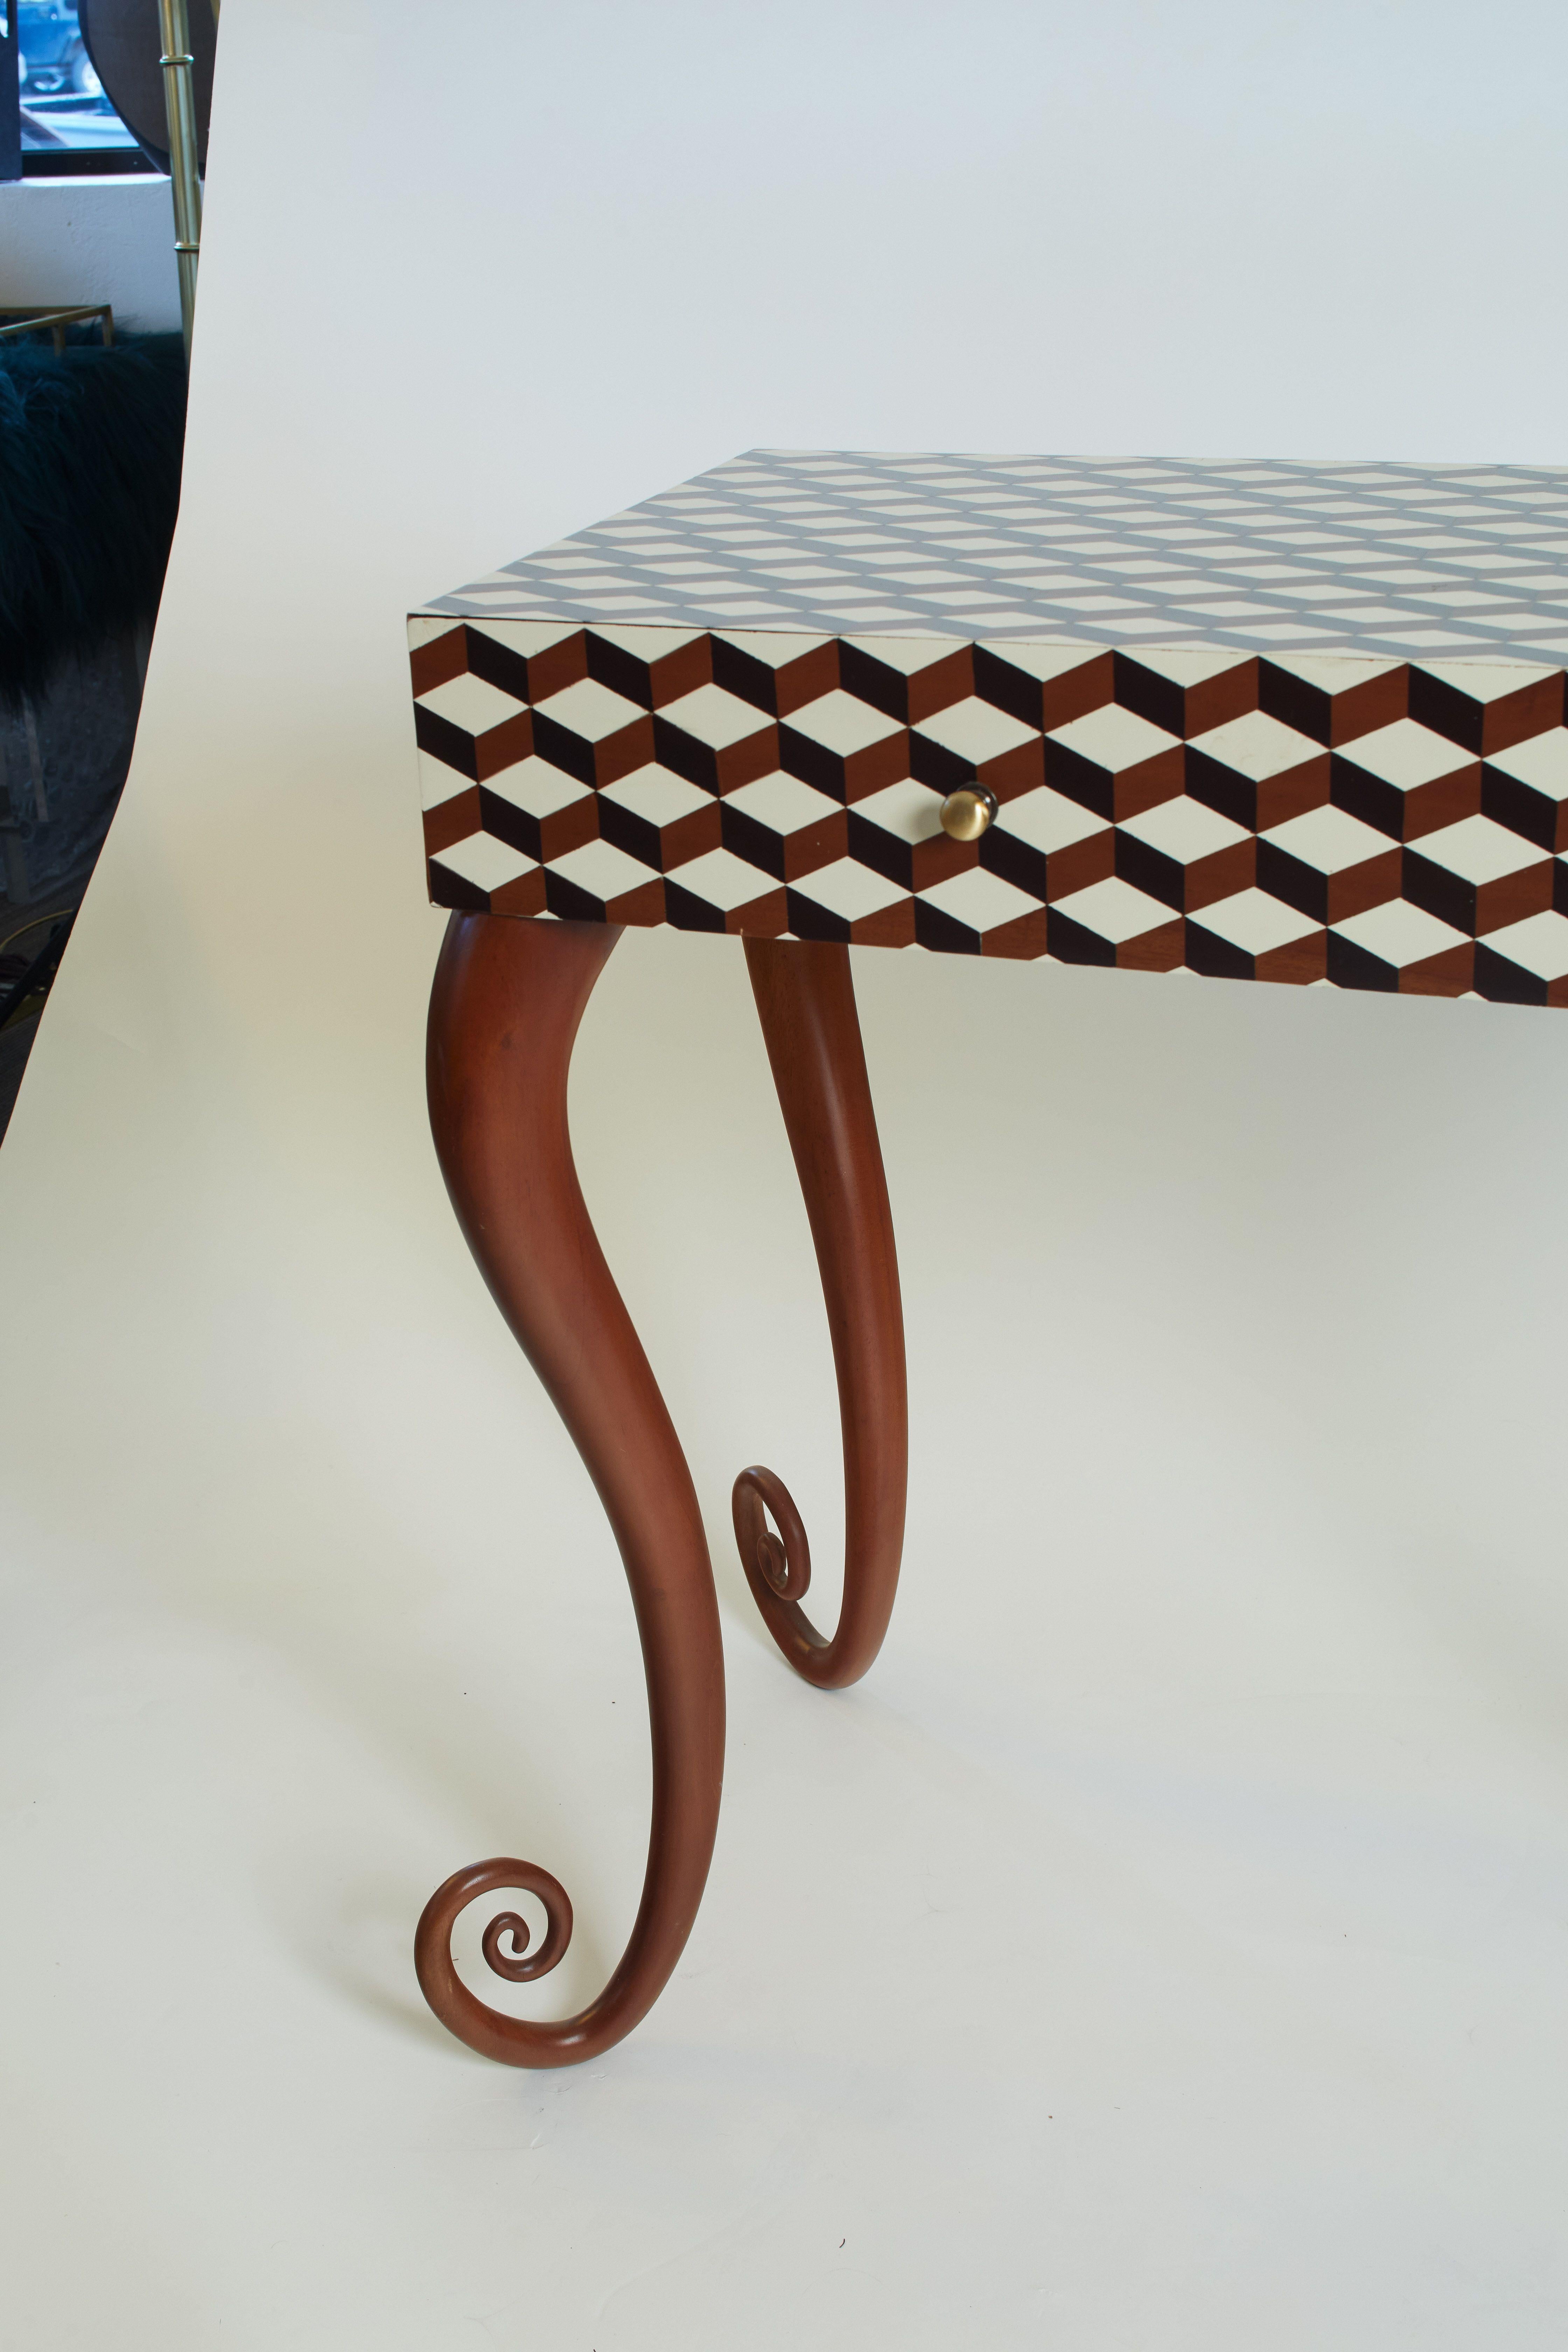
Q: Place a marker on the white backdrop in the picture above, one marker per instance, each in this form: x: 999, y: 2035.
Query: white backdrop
x: 1165, y: 1947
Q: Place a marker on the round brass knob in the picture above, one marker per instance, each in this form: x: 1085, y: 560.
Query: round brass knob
x: 966, y: 812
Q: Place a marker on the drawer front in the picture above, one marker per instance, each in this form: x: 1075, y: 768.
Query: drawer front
x: 1355, y: 822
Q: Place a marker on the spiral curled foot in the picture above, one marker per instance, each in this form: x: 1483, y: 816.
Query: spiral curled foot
x: 526, y: 1960
x: 438, y: 1979
x: 504, y: 1010
x: 806, y: 1000
x: 783, y: 1561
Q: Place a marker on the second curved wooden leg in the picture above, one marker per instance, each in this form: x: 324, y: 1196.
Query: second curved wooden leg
x: 504, y: 1010
x: 806, y: 998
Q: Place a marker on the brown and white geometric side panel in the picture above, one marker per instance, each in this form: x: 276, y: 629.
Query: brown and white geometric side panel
x: 1374, y: 824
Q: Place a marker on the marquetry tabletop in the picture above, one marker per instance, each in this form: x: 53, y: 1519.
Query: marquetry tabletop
x: 1264, y: 720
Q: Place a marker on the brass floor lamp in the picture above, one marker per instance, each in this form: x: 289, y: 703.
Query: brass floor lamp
x: 180, y: 104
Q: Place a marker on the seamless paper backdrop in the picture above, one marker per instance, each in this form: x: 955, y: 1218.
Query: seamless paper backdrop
x: 1165, y: 1947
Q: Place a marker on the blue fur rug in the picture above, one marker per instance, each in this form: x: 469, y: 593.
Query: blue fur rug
x: 90, y: 485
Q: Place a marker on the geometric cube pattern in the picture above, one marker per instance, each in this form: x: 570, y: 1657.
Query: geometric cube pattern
x: 1328, y: 811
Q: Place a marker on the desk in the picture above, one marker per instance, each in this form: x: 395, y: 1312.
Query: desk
x: 1290, y: 723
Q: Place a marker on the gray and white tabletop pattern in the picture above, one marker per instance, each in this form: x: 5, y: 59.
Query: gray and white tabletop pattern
x: 1261, y: 720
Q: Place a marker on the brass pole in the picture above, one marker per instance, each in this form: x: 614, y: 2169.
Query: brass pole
x: 180, y: 105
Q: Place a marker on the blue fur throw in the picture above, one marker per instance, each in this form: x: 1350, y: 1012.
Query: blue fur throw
x: 90, y: 485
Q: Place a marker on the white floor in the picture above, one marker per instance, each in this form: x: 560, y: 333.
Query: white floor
x: 1166, y: 1945
x: 1166, y: 1948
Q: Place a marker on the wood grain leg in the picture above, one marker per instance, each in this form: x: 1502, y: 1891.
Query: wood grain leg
x: 806, y: 998
x: 504, y: 1011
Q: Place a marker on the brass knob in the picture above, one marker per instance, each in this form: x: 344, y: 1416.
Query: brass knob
x: 966, y: 812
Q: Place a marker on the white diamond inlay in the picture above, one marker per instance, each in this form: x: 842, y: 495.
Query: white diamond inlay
x: 981, y: 900
x: 1115, y: 909
x: 471, y: 703
x: 1329, y: 840
x: 590, y: 710
x: 1478, y: 850
x: 723, y: 880
x: 715, y: 717
x: 783, y: 803
x: 976, y: 731
x: 1399, y: 933
x: 601, y: 870
x: 1255, y: 923
x: 1407, y: 755
x: 1539, y: 944
x: 1257, y: 746
x: 1540, y: 762
x: 656, y: 794
x: 849, y: 890
x: 1113, y: 738
x: 485, y: 862
x: 1048, y: 819
x: 841, y: 724
x: 912, y: 811
x: 537, y: 785
x: 1184, y: 830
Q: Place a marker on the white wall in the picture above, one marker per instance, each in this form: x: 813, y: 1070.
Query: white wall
x: 91, y: 240
x: 1164, y: 1947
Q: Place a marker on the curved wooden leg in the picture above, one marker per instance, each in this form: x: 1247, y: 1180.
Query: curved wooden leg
x: 806, y: 998
x: 504, y: 1011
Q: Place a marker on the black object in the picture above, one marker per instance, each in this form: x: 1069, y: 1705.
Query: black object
x: 83, y: 162
x: 40, y: 972
x: 124, y: 43
x: 10, y: 97
x: 90, y: 485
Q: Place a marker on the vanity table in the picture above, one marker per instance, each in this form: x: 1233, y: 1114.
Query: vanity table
x: 1259, y: 721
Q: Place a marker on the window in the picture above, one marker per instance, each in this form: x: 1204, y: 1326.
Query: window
x: 67, y: 124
